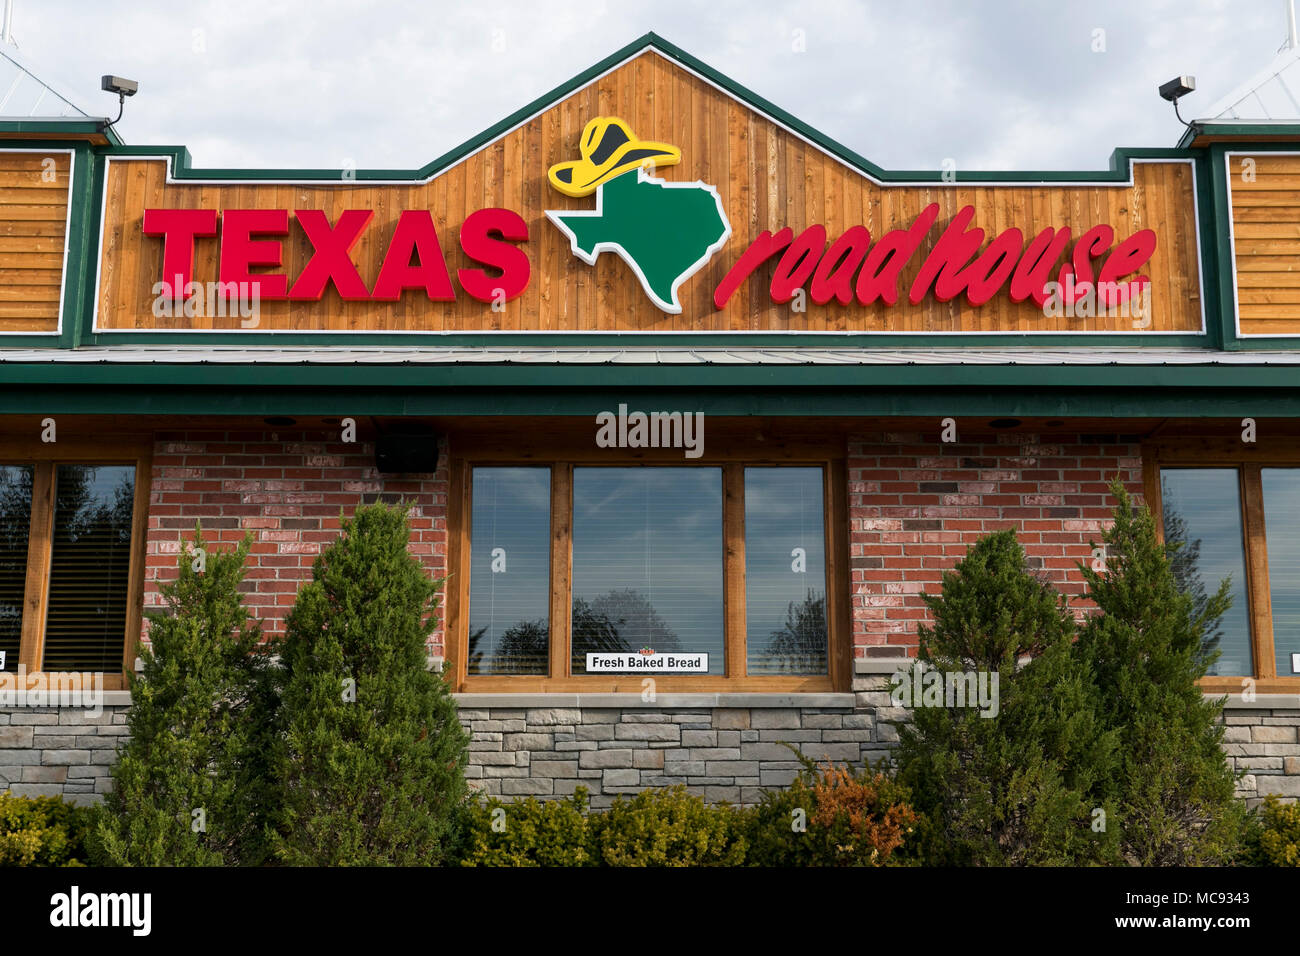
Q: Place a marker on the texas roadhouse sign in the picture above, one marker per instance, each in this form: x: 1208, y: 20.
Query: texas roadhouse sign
x: 665, y: 232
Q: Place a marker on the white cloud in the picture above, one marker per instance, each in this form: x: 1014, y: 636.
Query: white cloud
x: 1013, y: 85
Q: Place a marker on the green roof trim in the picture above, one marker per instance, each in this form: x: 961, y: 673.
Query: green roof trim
x: 83, y: 230
x: 1238, y: 130
x: 534, y: 340
x: 69, y: 127
x: 181, y: 376
x: 868, y: 404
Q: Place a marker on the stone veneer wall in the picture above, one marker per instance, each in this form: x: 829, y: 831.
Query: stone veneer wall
x: 721, y: 753
x: 54, y: 751
x: 731, y: 750
x: 1261, y: 741
x: 722, y: 747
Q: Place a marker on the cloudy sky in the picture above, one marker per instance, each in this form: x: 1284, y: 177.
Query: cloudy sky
x: 991, y: 84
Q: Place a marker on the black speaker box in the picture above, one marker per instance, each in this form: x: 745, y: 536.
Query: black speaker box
x: 406, y: 454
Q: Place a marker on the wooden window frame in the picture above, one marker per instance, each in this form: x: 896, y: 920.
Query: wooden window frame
x: 44, y: 460
x: 562, y: 459
x: 1247, y: 460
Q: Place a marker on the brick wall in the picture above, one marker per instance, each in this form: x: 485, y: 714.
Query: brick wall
x: 916, y: 505
x: 287, y: 488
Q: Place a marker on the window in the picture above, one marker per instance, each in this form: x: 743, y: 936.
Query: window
x: 510, y: 575
x: 15, y: 532
x: 70, y: 566
x: 1235, y: 514
x: 785, y: 571
x: 647, y: 563
x: 90, y: 563
x: 716, y: 569
x: 1202, y: 515
x: 1281, y: 488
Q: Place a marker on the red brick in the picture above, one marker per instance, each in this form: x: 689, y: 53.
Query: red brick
x: 286, y: 487
x: 1004, y: 481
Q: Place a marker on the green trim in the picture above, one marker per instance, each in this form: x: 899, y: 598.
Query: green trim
x: 75, y: 127
x: 1207, y: 234
x: 82, y: 250
x: 94, y: 219
x: 1222, y: 250
x: 1226, y: 265
x: 81, y: 241
x: 426, y: 379
x: 1240, y: 131
x: 867, y: 403
x: 1265, y: 343
x: 737, y: 340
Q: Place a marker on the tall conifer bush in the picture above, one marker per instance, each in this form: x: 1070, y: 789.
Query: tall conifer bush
x: 1146, y: 649
x: 1020, y: 787
x: 372, y: 754
x: 190, y: 785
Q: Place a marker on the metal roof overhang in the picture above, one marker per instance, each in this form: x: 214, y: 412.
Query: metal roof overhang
x: 1107, y: 383
x: 650, y: 356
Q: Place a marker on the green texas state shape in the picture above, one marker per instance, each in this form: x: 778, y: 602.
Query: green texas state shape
x: 665, y: 231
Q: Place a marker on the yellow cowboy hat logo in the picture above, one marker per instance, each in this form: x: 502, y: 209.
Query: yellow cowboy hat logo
x: 609, y: 148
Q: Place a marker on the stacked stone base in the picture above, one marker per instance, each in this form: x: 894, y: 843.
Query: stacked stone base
x: 722, y: 753
x: 59, y: 752
x: 719, y: 746
x: 732, y: 752
x: 1261, y: 742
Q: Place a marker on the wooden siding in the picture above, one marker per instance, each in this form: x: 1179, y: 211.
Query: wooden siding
x: 766, y: 176
x: 1266, y: 241
x: 33, y: 230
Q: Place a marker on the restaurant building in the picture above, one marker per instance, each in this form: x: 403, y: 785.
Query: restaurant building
x: 690, y: 402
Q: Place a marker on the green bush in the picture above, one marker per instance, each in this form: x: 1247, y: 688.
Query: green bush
x: 1146, y: 650
x: 190, y: 786
x: 832, y: 816
x: 371, y: 756
x: 660, y: 827
x: 1279, y: 833
x: 41, y: 831
x: 668, y: 827
x: 1017, y: 786
x: 527, y: 832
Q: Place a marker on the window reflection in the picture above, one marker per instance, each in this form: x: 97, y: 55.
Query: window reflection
x: 647, y: 562
x: 15, y: 530
x: 510, y: 571
x: 785, y: 571
x: 90, y: 566
x: 1282, y: 528
x: 1202, y: 514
